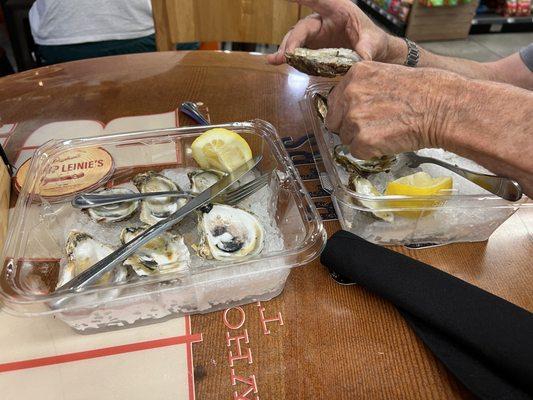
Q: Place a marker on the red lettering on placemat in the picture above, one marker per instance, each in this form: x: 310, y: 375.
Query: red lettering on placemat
x: 239, y: 351
x: 265, y: 321
x: 249, y: 382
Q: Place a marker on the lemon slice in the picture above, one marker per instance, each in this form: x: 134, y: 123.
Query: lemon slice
x: 419, y: 184
x: 220, y: 149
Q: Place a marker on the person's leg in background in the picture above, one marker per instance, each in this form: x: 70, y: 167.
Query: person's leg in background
x: 72, y: 52
x: 188, y: 46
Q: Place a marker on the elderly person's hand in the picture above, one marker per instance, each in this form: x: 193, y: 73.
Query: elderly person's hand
x: 340, y: 23
x: 337, y: 23
x: 381, y: 109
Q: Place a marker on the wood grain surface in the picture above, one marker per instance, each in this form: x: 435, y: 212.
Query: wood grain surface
x: 336, y: 342
x: 251, y: 21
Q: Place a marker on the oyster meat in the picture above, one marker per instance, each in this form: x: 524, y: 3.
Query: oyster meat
x: 166, y: 253
x: 322, y: 62
x: 156, y: 209
x: 365, y: 187
x: 202, y: 179
x: 351, y: 164
x: 83, y: 251
x: 228, y: 233
x: 114, y: 212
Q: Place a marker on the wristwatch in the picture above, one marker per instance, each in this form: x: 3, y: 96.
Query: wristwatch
x: 413, y: 53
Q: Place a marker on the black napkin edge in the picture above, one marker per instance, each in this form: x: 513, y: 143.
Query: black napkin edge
x: 451, y: 339
x: 456, y: 360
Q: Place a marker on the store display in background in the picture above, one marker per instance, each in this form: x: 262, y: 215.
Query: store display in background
x: 441, y: 3
x: 398, y: 8
x: 506, y: 8
x: 402, y: 8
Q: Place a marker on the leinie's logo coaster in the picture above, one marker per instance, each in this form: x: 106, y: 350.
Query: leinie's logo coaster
x: 70, y: 172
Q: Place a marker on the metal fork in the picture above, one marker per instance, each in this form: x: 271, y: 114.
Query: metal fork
x: 90, y: 200
x: 235, y: 196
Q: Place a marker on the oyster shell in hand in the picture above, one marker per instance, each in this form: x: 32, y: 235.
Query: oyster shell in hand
x: 351, y: 164
x: 114, y: 212
x: 83, y: 251
x: 166, y: 253
x: 228, y: 233
x: 322, y: 62
x: 156, y: 209
x: 341, y: 153
x: 202, y: 179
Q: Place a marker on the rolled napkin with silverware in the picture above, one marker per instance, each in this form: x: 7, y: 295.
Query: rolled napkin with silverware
x: 484, y: 340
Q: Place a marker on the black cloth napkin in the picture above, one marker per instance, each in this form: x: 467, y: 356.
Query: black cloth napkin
x: 484, y: 340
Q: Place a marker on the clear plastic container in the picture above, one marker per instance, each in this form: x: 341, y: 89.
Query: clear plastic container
x: 34, y: 253
x: 467, y: 213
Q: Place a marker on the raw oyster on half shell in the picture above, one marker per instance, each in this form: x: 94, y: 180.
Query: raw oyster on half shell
x: 322, y: 62
x: 83, y: 251
x: 156, y: 209
x: 202, y: 179
x: 166, y: 253
x: 343, y: 157
x: 366, y: 188
x: 114, y: 212
x: 228, y: 233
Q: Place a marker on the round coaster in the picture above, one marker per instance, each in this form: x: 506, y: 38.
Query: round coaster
x: 69, y: 172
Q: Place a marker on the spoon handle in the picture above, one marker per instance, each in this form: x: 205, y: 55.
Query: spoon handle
x: 89, y: 200
x: 191, y: 109
x: 505, y: 188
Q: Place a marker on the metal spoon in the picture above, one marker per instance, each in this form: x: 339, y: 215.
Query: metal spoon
x: 89, y: 200
x: 191, y: 109
x: 505, y: 188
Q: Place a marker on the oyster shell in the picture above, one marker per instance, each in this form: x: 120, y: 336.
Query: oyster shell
x: 166, y: 253
x: 202, y: 179
x: 156, y: 209
x: 322, y: 62
x: 321, y: 105
x: 228, y: 233
x: 83, y: 251
x: 114, y: 212
x: 365, y: 187
x: 354, y: 165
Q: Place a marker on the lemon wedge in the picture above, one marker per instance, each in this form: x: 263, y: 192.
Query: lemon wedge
x: 419, y: 184
x: 221, y: 149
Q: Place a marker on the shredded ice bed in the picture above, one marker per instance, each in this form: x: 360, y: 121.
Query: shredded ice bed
x: 49, y: 235
x: 458, y: 219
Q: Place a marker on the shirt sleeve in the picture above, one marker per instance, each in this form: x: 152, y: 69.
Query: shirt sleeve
x: 526, y: 54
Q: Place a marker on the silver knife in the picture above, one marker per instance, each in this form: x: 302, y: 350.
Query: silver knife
x: 93, y: 273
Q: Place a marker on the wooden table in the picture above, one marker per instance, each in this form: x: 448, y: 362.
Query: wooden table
x: 336, y: 341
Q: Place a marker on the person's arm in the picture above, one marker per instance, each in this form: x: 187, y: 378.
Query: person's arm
x: 510, y: 70
x: 381, y: 109
x: 340, y: 23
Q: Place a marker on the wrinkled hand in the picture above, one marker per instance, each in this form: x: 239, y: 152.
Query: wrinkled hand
x: 336, y: 23
x: 380, y: 109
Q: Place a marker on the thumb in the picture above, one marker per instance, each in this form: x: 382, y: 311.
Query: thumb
x: 365, y: 48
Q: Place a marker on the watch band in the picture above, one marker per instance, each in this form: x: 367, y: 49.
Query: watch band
x: 413, y: 53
